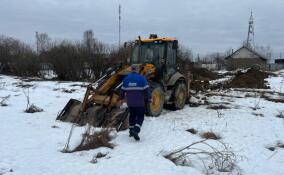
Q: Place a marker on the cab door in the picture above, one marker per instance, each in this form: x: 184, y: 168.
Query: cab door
x: 170, y: 61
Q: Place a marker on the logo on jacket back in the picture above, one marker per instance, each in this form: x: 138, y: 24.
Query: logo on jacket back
x: 132, y: 84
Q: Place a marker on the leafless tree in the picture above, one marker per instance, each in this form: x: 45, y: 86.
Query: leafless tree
x: 43, y: 42
x: 265, y: 51
x: 184, y: 59
x: 89, y: 40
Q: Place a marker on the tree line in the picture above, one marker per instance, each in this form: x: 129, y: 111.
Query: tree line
x: 81, y: 60
x: 70, y: 60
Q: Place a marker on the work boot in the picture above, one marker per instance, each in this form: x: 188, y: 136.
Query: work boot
x: 135, y: 135
x: 130, y: 133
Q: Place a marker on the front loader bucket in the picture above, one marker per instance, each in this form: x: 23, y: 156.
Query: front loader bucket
x: 70, y: 112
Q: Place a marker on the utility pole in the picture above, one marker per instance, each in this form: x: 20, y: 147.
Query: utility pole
x: 250, y: 37
x: 37, y: 43
x: 119, y: 25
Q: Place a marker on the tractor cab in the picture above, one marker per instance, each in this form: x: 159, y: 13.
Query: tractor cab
x: 161, y: 52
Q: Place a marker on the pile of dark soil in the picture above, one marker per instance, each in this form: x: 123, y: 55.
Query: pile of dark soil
x: 199, y: 85
x: 203, y: 74
x: 251, y: 79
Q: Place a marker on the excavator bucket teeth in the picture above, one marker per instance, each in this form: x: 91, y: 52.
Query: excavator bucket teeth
x: 70, y: 112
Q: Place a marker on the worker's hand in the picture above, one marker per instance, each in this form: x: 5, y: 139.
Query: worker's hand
x: 151, y: 101
x: 123, y: 106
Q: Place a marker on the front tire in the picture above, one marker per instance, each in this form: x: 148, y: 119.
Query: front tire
x: 179, y: 95
x: 158, y: 96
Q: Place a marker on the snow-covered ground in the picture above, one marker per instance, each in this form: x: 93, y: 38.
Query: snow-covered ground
x: 32, y: 143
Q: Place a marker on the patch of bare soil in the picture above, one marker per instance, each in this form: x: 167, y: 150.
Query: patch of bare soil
x: 23, y: 85
x: 210, y: 135
x: 258, y: 114
x: 203, y: 74
x: 278, y: 145
x: 277, y: 99
x: 217, y: 107
x: 80, y: 85
x: 192, y: 131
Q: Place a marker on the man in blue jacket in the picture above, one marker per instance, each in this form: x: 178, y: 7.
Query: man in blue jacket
x: 135, y: 90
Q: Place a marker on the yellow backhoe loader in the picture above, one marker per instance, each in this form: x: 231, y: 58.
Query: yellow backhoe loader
x: 157, y: 59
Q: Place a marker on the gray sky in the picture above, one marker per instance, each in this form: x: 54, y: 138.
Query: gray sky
x: 203, y: 25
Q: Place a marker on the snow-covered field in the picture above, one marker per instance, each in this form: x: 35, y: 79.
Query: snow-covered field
x: 32, y: 143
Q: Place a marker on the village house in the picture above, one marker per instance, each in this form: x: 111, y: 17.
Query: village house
x: 243, y: 58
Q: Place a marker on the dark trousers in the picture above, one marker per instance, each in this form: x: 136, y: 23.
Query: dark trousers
x: 136, y: 118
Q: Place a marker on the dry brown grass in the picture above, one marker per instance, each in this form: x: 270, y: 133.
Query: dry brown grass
x: 95, y: 140
x: 210, y: 135
x: 33, y: 108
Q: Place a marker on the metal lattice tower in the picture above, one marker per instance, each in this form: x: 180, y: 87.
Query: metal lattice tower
x: 250, y: 37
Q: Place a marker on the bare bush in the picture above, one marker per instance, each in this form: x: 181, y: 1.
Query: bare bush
x: 4, y: 100
x: 2, y: 84
x: 280, y: 114
x: 213, y: 158
x: 30, y: 108
x: 256, y: 102
x: 17, y: 58
x: 94, y: 139
x: 67, y: 59
x: 219, y: 113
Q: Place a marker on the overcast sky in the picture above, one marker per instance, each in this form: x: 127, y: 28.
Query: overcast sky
x: 202, y: 25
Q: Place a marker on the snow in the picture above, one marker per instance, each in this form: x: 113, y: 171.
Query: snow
x: 277, y: 83
x: 30, y: 144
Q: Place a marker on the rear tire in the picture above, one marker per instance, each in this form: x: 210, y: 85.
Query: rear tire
x: 158, y: 96
x: 179, y: 95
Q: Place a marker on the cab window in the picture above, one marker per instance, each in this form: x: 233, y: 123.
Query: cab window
x: 171, y: 62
